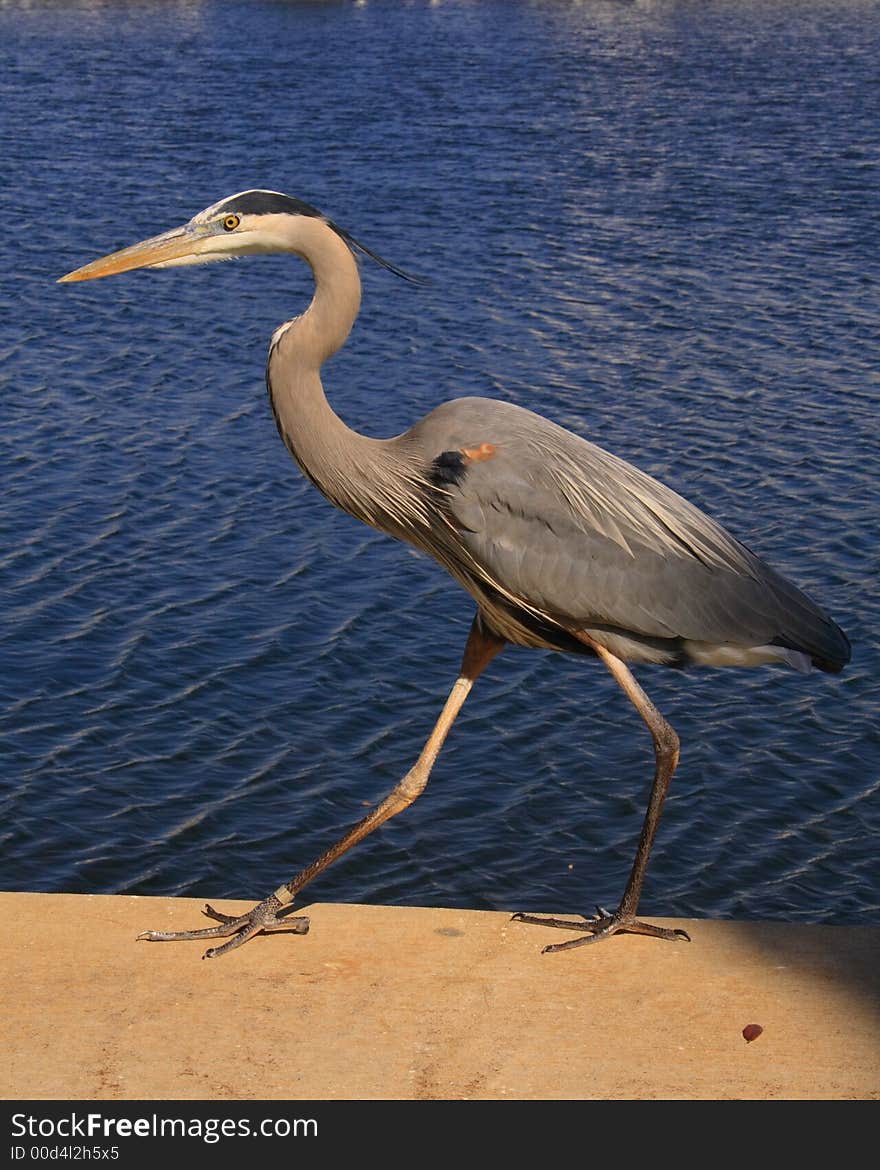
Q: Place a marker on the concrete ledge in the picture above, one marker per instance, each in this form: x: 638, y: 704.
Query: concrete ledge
x: 409, y: 1003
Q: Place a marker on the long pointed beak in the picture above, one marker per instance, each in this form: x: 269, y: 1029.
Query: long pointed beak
x: 173, y: 245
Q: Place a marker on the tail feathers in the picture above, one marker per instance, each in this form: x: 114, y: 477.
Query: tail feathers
x: 729, y: 654
x: 831, y: 654
x: 830, y: 666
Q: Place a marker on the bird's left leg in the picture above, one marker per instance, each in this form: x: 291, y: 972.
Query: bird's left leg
x: 666, y: 746
x: 481, y: 648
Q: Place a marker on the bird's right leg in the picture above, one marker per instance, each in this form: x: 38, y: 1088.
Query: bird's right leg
x: 265, y: 918
x: 666, y: 747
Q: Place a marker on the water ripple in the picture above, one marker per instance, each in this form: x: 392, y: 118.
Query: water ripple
x: 649, y: 222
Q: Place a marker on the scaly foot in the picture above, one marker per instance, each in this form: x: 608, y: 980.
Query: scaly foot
x: 601, y: 925
x: 263, y: 919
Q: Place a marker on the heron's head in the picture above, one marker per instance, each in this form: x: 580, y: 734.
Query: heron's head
x: 245, y: 224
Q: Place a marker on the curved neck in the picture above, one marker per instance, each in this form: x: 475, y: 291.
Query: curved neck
x: 325, y: 325
x: 369, y: 478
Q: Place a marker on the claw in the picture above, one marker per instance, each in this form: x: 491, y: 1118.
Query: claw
x: 263, y: 919
x: 210, y: 912
x: 599, y: 926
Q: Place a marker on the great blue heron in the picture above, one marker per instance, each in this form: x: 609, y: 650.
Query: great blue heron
x: 561, y: 545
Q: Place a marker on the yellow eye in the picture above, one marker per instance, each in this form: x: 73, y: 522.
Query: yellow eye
x: 231, y: 222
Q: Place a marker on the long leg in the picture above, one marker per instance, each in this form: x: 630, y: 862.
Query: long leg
x: 666, y: 747
x: 480, y: 649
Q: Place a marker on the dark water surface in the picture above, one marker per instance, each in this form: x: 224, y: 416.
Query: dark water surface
x: 656, y: 223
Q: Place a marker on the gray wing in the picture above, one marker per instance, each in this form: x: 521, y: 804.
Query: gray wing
x: 585, y: 538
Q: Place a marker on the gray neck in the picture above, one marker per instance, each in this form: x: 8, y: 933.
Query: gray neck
x: 372, y: 479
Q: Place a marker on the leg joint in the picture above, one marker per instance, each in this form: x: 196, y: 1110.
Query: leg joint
x: 411, y: 786
x: 667, y: 741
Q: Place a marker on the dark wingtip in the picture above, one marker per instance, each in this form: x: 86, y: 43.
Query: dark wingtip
x: 835, y: 664
x: 830, y: 666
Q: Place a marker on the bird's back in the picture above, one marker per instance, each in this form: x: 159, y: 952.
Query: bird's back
x: 537, y: 519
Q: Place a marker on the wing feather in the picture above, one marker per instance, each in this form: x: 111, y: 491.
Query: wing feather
x: 577, y: 534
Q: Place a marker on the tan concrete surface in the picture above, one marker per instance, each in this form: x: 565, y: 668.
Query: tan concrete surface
x: 409, y: 1003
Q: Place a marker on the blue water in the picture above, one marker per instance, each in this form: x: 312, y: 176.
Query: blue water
x: 656, y: 223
